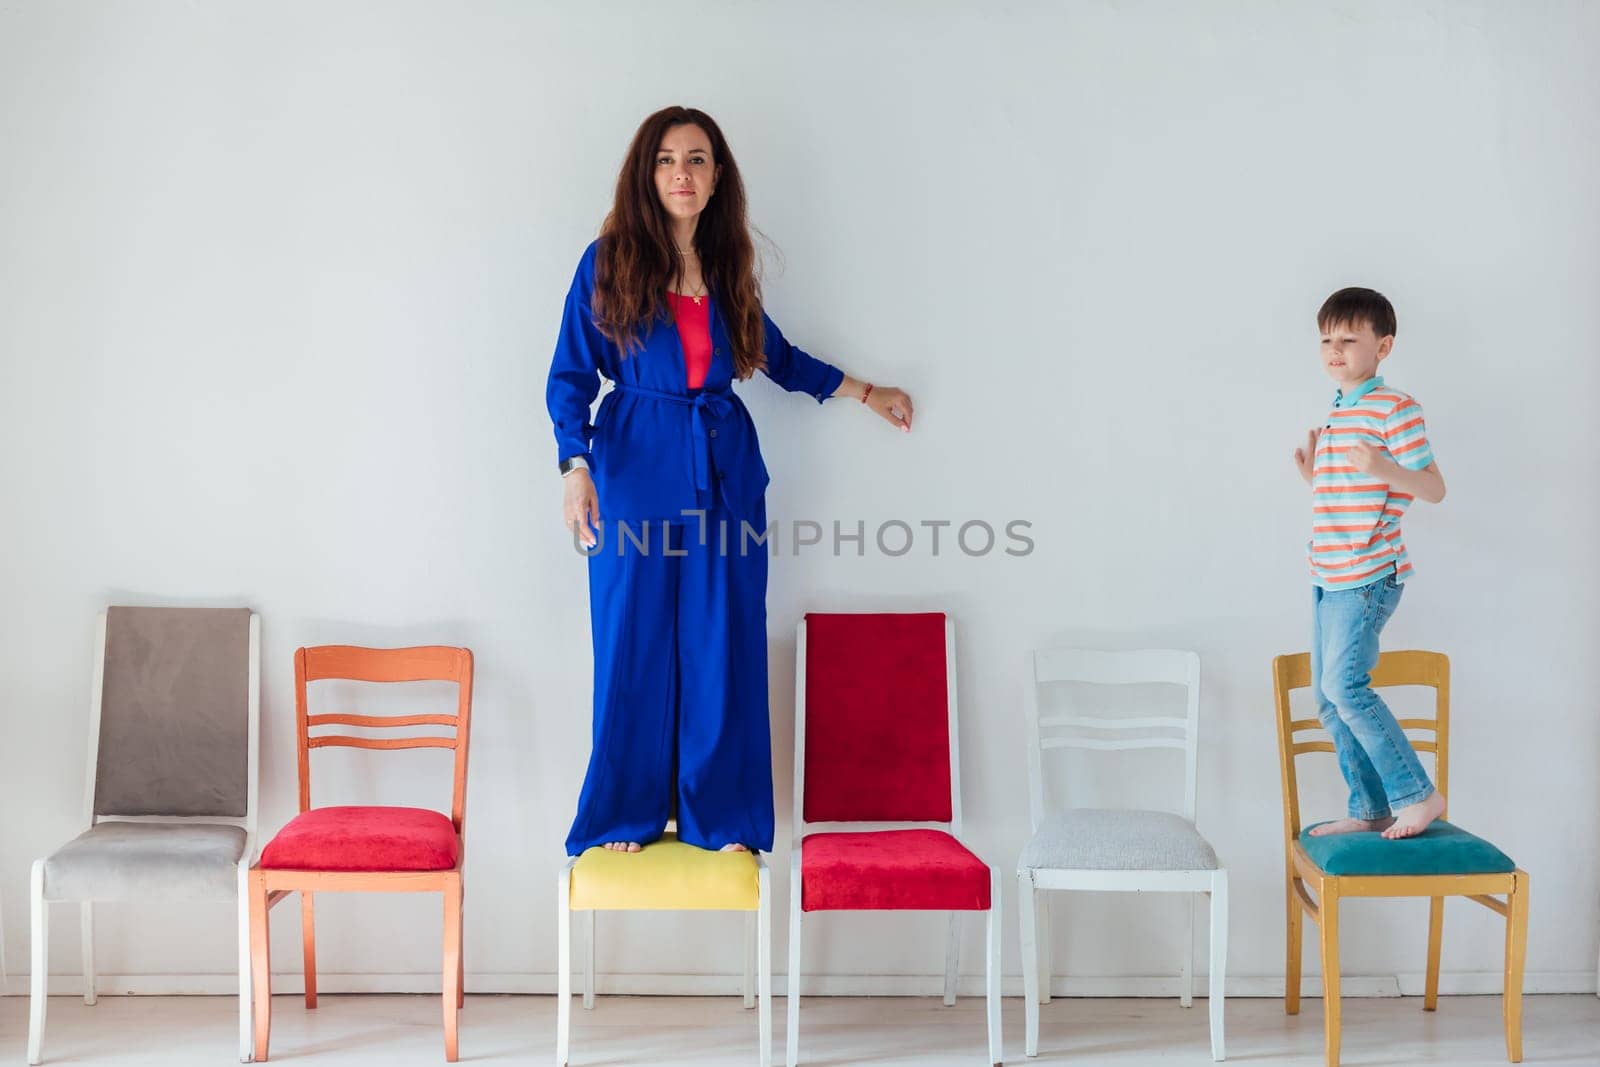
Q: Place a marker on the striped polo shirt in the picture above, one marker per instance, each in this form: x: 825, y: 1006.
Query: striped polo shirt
x: 1355, y: 523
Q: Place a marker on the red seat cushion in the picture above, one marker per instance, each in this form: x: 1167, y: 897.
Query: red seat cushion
x: 354, y: 838
x: 891, y: 869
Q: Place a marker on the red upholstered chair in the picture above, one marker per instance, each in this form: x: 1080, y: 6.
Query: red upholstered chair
x: 361, y: 848
x: 876, y: 743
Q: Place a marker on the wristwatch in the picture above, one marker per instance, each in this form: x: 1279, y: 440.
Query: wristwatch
x: 572, y: 463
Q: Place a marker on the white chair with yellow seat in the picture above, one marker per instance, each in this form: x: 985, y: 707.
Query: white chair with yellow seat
x: 666, y: 875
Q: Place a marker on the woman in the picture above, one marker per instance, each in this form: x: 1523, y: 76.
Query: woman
x: 667, y: 307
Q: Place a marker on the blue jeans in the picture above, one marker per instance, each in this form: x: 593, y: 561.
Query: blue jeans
x: 1376, y: 759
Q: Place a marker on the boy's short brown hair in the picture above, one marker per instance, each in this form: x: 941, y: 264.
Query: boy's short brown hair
x: 1358, y: 307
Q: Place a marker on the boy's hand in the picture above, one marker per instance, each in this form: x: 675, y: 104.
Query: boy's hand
x: 1426, y: 484
x: 1306, y: 458
x: 1369, y: 459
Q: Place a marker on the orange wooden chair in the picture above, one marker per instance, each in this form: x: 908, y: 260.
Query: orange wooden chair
x: 367, y: 849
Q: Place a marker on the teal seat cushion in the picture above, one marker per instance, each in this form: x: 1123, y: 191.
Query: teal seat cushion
x: 1440, y: 849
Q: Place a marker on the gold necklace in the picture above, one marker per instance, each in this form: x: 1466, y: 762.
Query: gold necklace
x: 697, y: 299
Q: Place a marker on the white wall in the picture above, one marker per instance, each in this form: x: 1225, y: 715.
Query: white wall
x: 279, y: 285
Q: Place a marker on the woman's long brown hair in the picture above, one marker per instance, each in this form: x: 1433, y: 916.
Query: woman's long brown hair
x: 638, y: 260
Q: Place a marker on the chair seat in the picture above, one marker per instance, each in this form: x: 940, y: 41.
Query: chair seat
x: 666, y: 875
x: 129, y: 860
x: 1440, y: 849
x: 1109, y: 839
x: 927, y: 870
x: 362, y: 838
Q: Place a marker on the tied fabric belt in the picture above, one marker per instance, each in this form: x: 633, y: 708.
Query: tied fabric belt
x: 718, y: 401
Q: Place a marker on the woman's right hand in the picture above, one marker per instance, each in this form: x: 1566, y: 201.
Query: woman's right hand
x: 581, y: 506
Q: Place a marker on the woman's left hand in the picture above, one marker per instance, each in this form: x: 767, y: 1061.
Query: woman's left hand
x: 893, y: 404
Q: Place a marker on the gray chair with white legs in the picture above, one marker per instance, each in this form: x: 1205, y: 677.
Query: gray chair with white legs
x: 171, y: 782
x: 1100, y: 849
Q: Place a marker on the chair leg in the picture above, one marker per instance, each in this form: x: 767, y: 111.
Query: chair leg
x: 452, y: 967
x: 1516, y: 956
x: 1047, y: 947
x: 764, y: 964
x: 86, y: 937
x: 308, y: 944
x: 791, y: 992
x: 1328, y: 906
x: 461, y: 956
x: 260, y: 963
x: 1217, y: 981
x: 590, y: 922
x: 39, y: 974
x: 991, y: 969
x: 245, y: 1050
x: 1186, y: 968
x: 1293, y: 941
x: 749, y: 960
x: 1430, y: 991
x: 563, y: 965
x: 1027, y: 923
x: 952, y: 958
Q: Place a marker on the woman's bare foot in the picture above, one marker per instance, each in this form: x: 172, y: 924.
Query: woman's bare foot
x: 735, y: 847
x: 1352, y: 826
x: 1412, y: 819
x: 622, y: 846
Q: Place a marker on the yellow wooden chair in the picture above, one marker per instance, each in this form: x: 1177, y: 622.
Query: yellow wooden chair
x: 667, y: 875
x: 1443, y: 861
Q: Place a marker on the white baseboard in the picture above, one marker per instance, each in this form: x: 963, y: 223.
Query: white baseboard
x: 1465, y: 983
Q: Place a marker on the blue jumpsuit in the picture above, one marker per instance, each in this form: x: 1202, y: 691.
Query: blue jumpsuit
x: 677, y: 586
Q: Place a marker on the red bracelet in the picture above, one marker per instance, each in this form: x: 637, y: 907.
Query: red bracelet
x: 866, y: 392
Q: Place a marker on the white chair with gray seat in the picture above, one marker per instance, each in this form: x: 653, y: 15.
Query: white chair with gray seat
x: 1116, y: 850
x: 171, y: 782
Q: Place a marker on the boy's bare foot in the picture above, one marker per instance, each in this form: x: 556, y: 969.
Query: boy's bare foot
x: 622, y: 846
x: 1412, y: 819
x: 1352, y: 826
x: 735, y: 847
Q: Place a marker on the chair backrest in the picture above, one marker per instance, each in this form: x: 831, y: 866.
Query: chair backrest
x: 1151, y: 666
x: 875, y: 736
x: 174, y: 715
x: 1429, y: 669
x: 423, y: 663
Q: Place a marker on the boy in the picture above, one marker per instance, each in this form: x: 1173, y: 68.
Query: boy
x: 1365, y: 466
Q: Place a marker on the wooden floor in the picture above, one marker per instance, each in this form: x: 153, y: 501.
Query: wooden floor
x: 354, y: 1030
